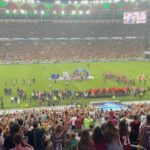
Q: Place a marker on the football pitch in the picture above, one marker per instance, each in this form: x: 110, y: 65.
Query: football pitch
x: 12, y: 76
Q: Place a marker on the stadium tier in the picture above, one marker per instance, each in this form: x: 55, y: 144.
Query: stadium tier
x: 60, y: 29
x: 58, y: 51
x: 99, y: 9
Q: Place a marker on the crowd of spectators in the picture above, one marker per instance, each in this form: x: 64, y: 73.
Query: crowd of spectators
x: 70, y: 50
x: 76, y: 128
x: 79, y: 29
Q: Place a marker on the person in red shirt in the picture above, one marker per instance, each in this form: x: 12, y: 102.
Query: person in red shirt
x: 78, y: 123
x: 144, y: 135
x: 134, y: 133
x: 111, y: 114
x: 98, y: 139
x: 124, y: 135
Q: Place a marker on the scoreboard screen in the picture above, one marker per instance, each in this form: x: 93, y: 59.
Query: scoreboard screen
x: 137, y: 17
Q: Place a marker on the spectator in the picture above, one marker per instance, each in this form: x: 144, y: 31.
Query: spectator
x: 73, y: 142
x: 135, y: 125
x: 19, y: 142
x: 35, y: 137
x: 99, y: 139
x: 124, y: 135
x: 58, y: 138
x: 144, y: 134
x: 112, y: 138
x: 78, y: 123
x: 86, y: 142
x: 8, y: 142
x: 87, y: 122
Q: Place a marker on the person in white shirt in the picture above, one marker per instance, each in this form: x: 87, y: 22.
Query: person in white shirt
x: 73, y: 119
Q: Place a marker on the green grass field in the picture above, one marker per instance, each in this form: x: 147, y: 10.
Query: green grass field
x: 41, y: 72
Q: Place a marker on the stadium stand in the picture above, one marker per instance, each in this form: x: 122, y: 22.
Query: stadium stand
x: 43, y: 128
x: 55, y: 29
x: 70, y: 50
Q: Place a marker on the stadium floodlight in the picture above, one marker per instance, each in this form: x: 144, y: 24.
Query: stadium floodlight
x: 73, y: 12
x: 63, y: 12
x: 84, y: 2
x: 32, y: 1
x: 132, y: 0
x: 88, y: 12
x: 7, y: 11
x: 35, y: 12
x: 116, y: 1
x: 14, y: 11
x: 69, y: 2
x: 22, y: 11
x: 54, y: 12
x: 75, y: 2
x: 96, y: 2
x: 58, y: 2
x: 42, y: 12
x: 81, y: 12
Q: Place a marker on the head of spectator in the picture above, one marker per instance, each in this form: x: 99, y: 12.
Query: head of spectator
x: 85, y: 141
x: 17, y: 139
x: 123, y: 128
x: 85, y: 136
x: 35, y: 124
x: 98, y: 136
x: 135, y: 118
x: 73, y: 136
x: 58, y: 129
x: 148, y: 119
x: 14, y: 128
x: 20, y: 122
x: 111, y: 133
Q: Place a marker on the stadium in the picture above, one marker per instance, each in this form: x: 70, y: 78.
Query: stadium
x: 74, y: 74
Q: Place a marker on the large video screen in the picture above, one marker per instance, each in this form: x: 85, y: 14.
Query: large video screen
x: 137, y: 17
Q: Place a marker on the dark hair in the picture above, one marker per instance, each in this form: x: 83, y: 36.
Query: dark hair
x: 73, y: 135
x: 20, y: 122
x: 111, y: 133
x: 35, y: 124
x: 85, y: 136
x: 123, y: 128
x: 17, y: 139
x: 98, y: 136
x: 14, y: 128
x: 1, y: 130
x: 148, y: 118
x: 58, y: 129
x: 135, y: 117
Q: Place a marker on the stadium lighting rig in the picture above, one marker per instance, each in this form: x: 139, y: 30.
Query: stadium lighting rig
x: 54, y: 12
x: 35, y: 12
x: 80, y: 12
x: 42, y: 12
x: 63, y: 12
x: 73, y: 12
x: 48, y: 7
x: 76, y: 1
